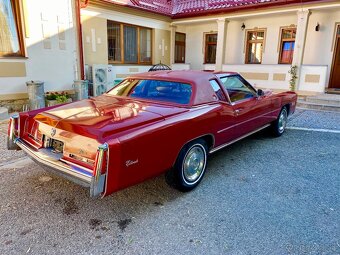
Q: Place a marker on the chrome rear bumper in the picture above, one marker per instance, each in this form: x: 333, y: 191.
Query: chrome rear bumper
x: 75, y: 173
x: 55, y: 165
x: 93, y: 179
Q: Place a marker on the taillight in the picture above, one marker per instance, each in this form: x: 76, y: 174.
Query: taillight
x: 101, y: 162
x: 9, y: 130
x: 100, y: 170
x: 13, y: 126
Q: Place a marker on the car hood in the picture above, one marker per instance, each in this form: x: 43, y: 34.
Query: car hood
x: 103, y: 116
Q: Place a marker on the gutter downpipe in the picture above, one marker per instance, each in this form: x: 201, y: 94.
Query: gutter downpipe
x: 79, y: 6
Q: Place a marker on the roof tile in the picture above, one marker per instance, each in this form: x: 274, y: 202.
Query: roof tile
x: 196, y: 7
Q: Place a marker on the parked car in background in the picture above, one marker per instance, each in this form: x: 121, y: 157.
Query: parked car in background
x: 163, y: 121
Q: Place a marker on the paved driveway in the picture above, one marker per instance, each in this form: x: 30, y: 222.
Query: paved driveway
x: 259, y: 196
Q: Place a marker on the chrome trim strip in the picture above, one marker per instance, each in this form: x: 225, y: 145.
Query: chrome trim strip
x: 56, y: 165
x: 222, y: 130
x: 107, y: 169
x: 76, y: 165
x: 240, y: 138
x: 98, y: 182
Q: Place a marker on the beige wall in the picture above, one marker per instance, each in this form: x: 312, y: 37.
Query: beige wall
x: 318, y: 52
x: 12, y: 69
x: 235, y: 37
x: 98, y: 54
x: 95, y: 40
x: 319, y: 45
x: 161, y: 38
x: 95, y: 19
x: 272, y: 24
x: 194, y: 53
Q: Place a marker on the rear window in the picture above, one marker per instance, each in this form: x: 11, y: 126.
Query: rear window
x: 166, y: 91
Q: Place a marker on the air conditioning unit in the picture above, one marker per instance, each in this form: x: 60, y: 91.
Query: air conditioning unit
x: 110, y: 77
x: 99, y: 77
x: 88, y: 76
x: 88, y: 73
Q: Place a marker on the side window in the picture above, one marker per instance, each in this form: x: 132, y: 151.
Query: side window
x: 210, y: 48
x: 179, y: 47
x: 218, y: 90
x: 11, y: 39
x: 287, y: 45
x: 255, y: 44
x: 237, y: 89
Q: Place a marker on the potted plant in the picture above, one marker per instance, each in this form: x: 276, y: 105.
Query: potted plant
x: 293, y: 77
x: 55, y: 98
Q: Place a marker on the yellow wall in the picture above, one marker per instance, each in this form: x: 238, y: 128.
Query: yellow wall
x: 99, y: 25
x: 12, y: 69
x: 158, y: 37
x: 100, y: 55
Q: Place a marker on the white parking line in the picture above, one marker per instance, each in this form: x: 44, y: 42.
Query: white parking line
x: 315, y: 130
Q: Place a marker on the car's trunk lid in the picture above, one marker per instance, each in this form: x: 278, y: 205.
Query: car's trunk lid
x: 105, y: 115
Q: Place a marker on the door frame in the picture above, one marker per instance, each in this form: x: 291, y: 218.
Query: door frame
x: 336, y: 40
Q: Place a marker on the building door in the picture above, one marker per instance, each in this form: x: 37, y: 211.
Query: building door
x: 334, y: 82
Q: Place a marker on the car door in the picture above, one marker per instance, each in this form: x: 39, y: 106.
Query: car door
x: 249, y: 108
x: 225, y: 129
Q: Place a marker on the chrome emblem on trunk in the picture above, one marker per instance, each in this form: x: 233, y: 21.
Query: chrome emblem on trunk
x: 53, y: 132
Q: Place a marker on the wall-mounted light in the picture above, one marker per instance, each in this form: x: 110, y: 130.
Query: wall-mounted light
x: 243, y: 26
x: 317, y: 27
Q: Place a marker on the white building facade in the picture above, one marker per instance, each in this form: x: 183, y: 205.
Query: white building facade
x: 38, y: 42
x: 58, y: 42
x: 263, y: 45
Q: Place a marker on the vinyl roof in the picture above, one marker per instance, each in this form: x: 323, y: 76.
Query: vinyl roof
x: 202, y: 90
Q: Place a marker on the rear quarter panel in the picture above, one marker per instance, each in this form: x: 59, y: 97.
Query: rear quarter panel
x: 285, y: 99
x: 146, y: 152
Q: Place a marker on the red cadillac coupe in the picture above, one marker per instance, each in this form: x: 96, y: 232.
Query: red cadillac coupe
x: 163, y: 121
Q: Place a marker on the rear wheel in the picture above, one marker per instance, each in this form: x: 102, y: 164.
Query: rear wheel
x: 190, y: 166
x: 279, y: 125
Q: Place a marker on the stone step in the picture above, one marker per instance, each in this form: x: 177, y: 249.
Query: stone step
x: 3, y: 113
x: 318, y: 106
x: 328, y: 97
x: 333, y: 91
x: 323, y: 100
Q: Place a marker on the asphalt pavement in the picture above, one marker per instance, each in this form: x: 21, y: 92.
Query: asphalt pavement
x: 261, y: 195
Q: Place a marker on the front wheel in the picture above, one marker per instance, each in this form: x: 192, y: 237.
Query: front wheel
x: 190, y: 166
x: 279, y: 125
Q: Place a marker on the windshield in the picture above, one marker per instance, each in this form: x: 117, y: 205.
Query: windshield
x: 167, y: 91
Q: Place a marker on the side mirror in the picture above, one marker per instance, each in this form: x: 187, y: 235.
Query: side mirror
x: 260, y: 92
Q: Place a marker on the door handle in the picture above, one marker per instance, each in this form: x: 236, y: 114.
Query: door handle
x: 238, y: 111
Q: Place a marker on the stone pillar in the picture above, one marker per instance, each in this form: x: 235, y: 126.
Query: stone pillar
x: 300, y: 40
x: 221, y: 39
x: 172, y: 44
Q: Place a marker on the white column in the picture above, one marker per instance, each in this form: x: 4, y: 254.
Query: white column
x: 172, y: 44
x: 221, y: 39
x: 300, y: 40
